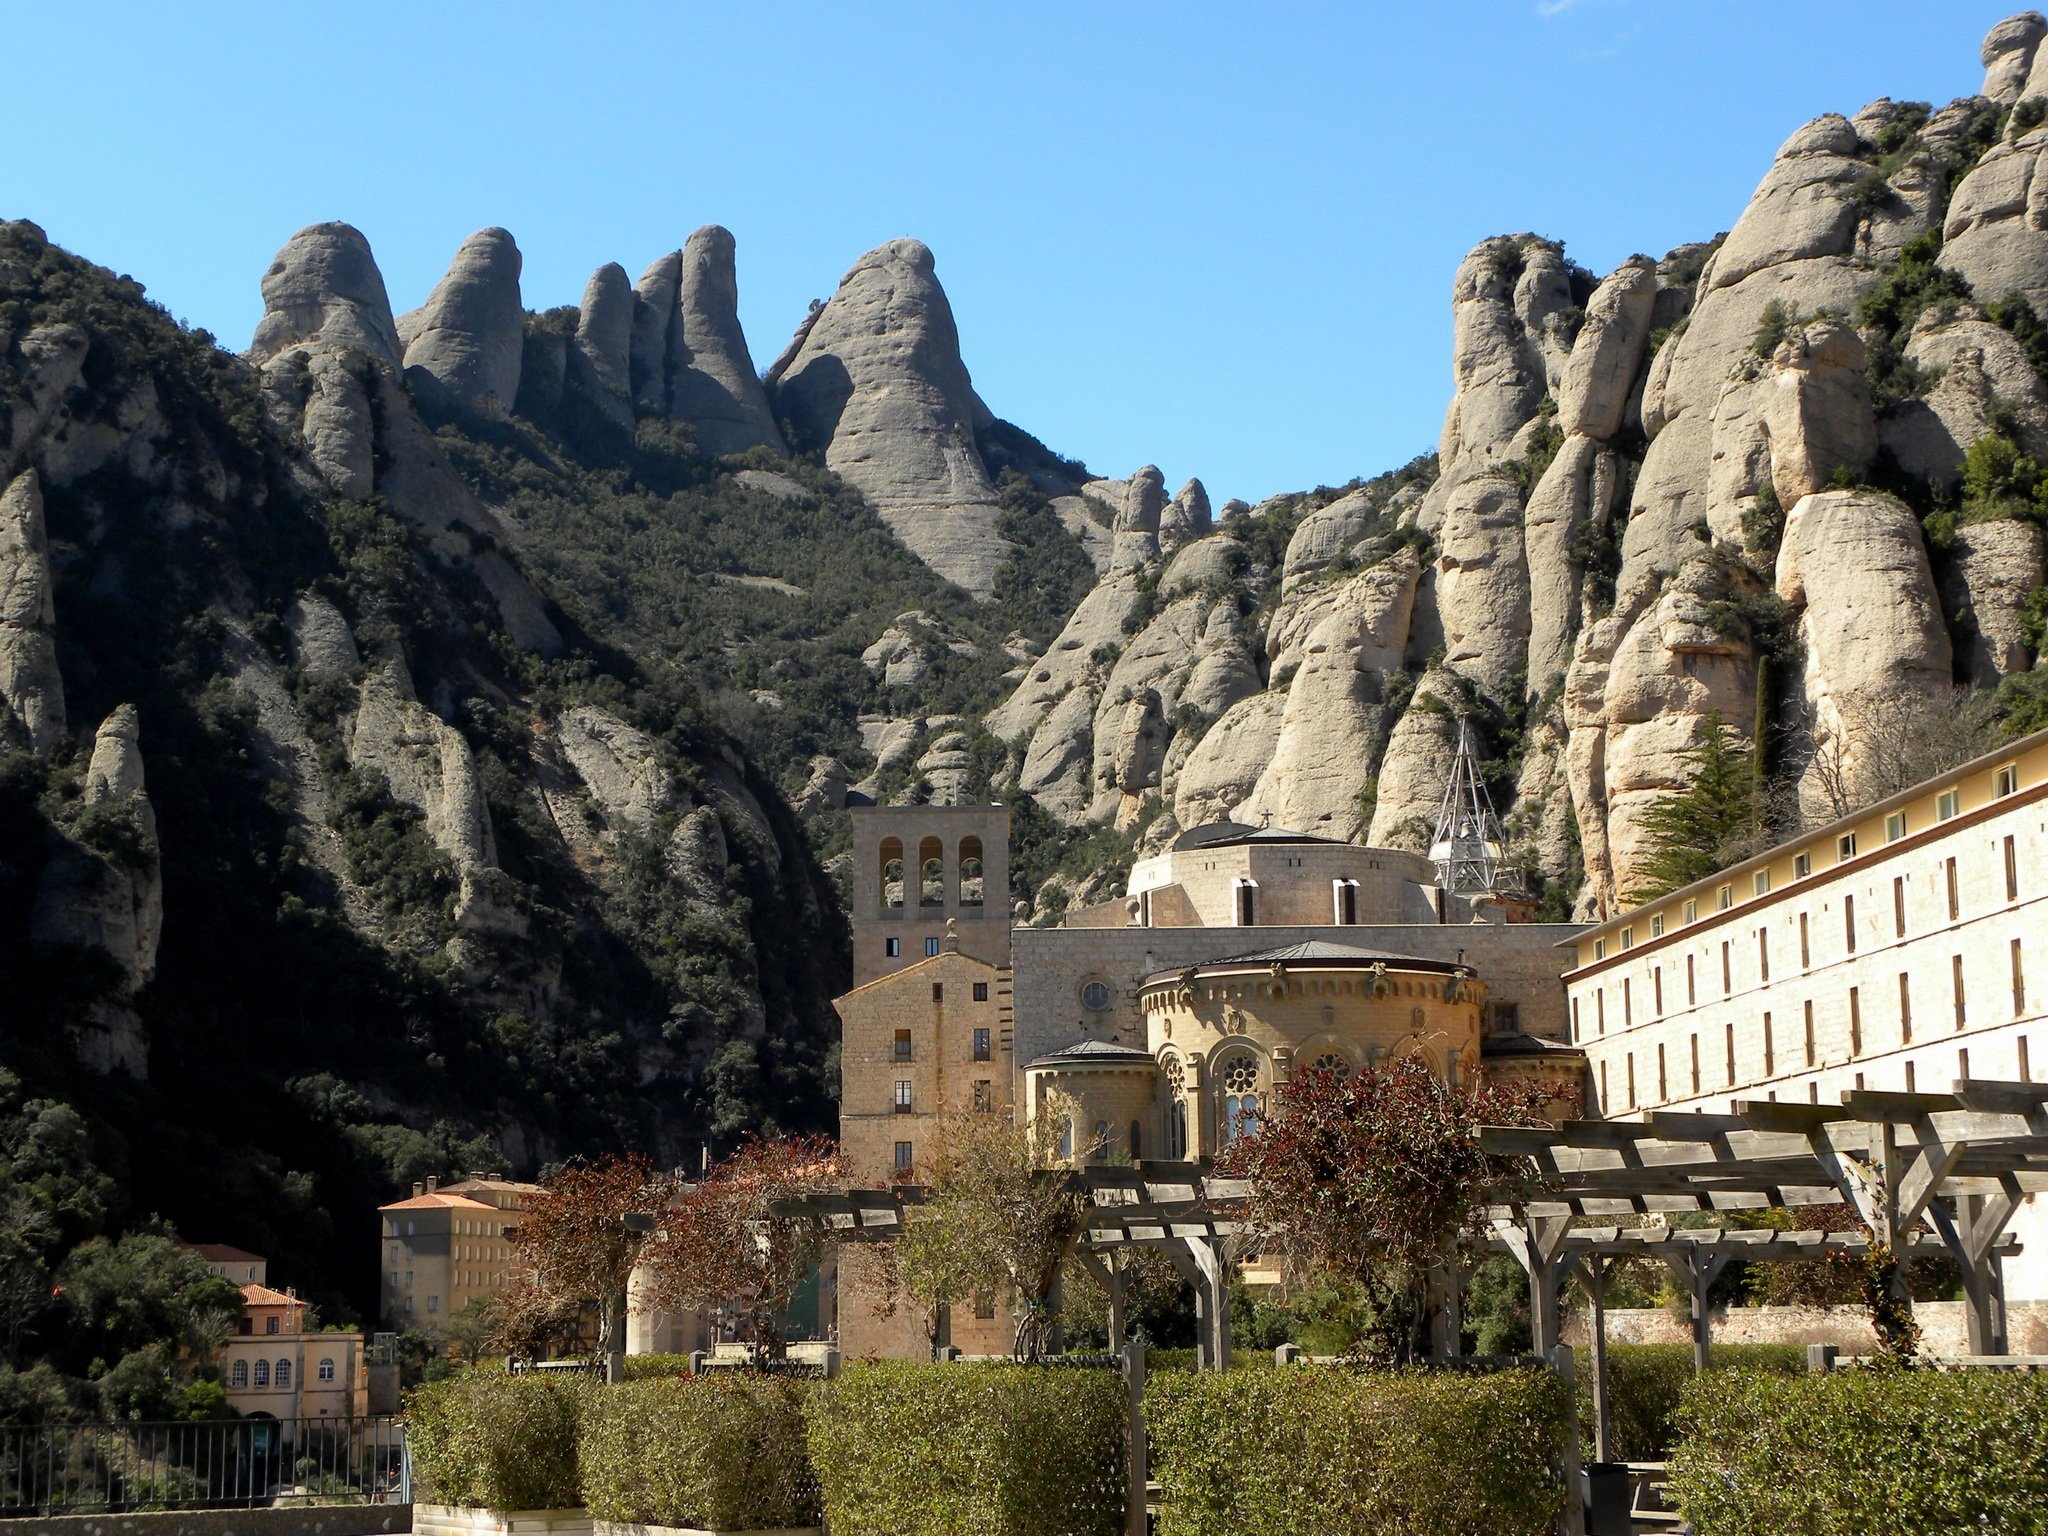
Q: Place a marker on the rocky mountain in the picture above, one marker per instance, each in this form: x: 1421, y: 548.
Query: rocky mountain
x: 430, y: 733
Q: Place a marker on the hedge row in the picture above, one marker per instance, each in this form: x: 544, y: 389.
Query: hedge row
x: 492, y: 1441
x: 971, y: 1450
x: 1326, y: 1449
x: 1864, y: 1453
x: 711, y: 1453
x: 1647, y: 1382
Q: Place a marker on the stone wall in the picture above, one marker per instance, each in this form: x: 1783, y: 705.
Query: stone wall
x: 1943, y: 1327
x: 313, y: 1520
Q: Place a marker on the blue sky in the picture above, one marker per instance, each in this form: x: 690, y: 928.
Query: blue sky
x: 1218, y: 238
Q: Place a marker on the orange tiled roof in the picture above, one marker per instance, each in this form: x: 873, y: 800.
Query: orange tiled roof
x: 437, y: 1202
x: 263, y: 1296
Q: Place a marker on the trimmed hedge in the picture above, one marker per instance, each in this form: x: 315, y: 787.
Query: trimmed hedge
x: 994, y: 1449
x: 717, y: 1453
x: 1327, y: 1449
x: 1876, y: 1452
x: 486, y: 1440
x: 1647, y: 1382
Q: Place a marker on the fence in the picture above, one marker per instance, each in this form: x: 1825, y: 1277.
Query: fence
x: 111, y: 1468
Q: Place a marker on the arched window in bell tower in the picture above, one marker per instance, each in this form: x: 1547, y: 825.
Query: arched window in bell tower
x: 892, y: 871
x: 931, y: 867
x: 970, y: 871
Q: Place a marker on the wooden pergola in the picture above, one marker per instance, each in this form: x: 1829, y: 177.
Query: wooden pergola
x: 1923, y: 1172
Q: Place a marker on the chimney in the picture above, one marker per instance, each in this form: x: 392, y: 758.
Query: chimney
x: 433, y: 1183
x: 418, y: 1190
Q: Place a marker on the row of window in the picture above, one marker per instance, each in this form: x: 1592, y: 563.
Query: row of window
x: 1959, y: 1004
x: 239, y: 1374
x: 1951, y: 884
x: 981, y: 1048
x: 931, y: 872
x: 2025, y: 1073
x: 984, y: 1094
x: 1947, y: 806
x: 893, y: 949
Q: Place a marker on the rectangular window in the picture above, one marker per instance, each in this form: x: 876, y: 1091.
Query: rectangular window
x: 1811, y: 1053
x: 1628, y: 1012
x: 1692, y: 911
x: 931, y: 947
x: 892, y: 947
x: 1727, y: 971
x: 1657, y: 990
x: 1770, y: 1048
x: 938, y: 991
x: 1949, y: 805
x: 1631, y: 1079
x: 981, y: 1048
x: 1963, y: 1062
x: 1578, y: 1029
x: 1760, y: 882
x: 903, y: 1096
x: 1845, y: 847
x: 984, y: 1305
x: 1912, y: 1079
x: 903, y: 1157
x: 1657, y: 926
x: 2026, y: 1068
x: 1955, y: 895
x: 1805, y: 949
x: 1604, y: 1101
x: 1729, y: 1039
x: 1691, y: 992
x: 1899, y: 907
x: 2019, y: 982
x: 2007, y: 781
x: 1724, y: 898
x: 1849, y: 923
x: 1802, y: 865
x: 1599, y: 949
x: 1763, y: 954
x: 1663, y: 1087
x: 1855, y: 1021
x: 903, y: 1045
x: 1955, y: 973
x: 1600, y: 1010
x: 1695, y: 1064
x: 1905, y: 1008
x: 981, y: 991
x: 1813, y: 1093
x: 2012, y: 871
x: 984, y: 1096
x: 1895, y: 826
x: 1628, y: 939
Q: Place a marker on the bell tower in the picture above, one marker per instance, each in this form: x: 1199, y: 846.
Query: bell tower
x: 918, y: 866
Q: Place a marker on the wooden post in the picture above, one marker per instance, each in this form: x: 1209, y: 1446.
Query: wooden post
x: 1573, y: 1521
x: 1702, y: 1322
x: 1138, y: 1460
x: 1596, y: 1282
x: 615, y: 1342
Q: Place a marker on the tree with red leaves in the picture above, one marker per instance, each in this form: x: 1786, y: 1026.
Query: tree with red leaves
x: 577, y: 1250
x: 726, y: 1241
x: 1374, y: 1178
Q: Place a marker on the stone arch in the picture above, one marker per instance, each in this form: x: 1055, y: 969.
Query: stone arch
x: 890, y: 868
x: 970, y: 872
x: 931, y: 873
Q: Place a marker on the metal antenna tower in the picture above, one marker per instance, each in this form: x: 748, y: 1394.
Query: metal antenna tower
x: 1469, y: 849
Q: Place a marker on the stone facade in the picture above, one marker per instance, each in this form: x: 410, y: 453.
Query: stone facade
x: 1889, y: 951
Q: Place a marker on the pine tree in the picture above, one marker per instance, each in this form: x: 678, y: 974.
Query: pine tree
x: 1714, y: 822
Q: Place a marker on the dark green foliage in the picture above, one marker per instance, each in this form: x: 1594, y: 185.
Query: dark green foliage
x: 1646, y: 1384
x: 1358, y: 1453
x: 2029, y: 115
x: 486, y: 1440
x: 1775, y: 323
x: 718, y: 1452
x: 996, y: 1450
x: 1763, y: 525
x: 1912, y: 285
x: 2022, y: 703
x: 1716, y: 821
x: 1875, y: 1452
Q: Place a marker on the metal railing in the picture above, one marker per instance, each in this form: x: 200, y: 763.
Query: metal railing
x: 109, y: 1468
